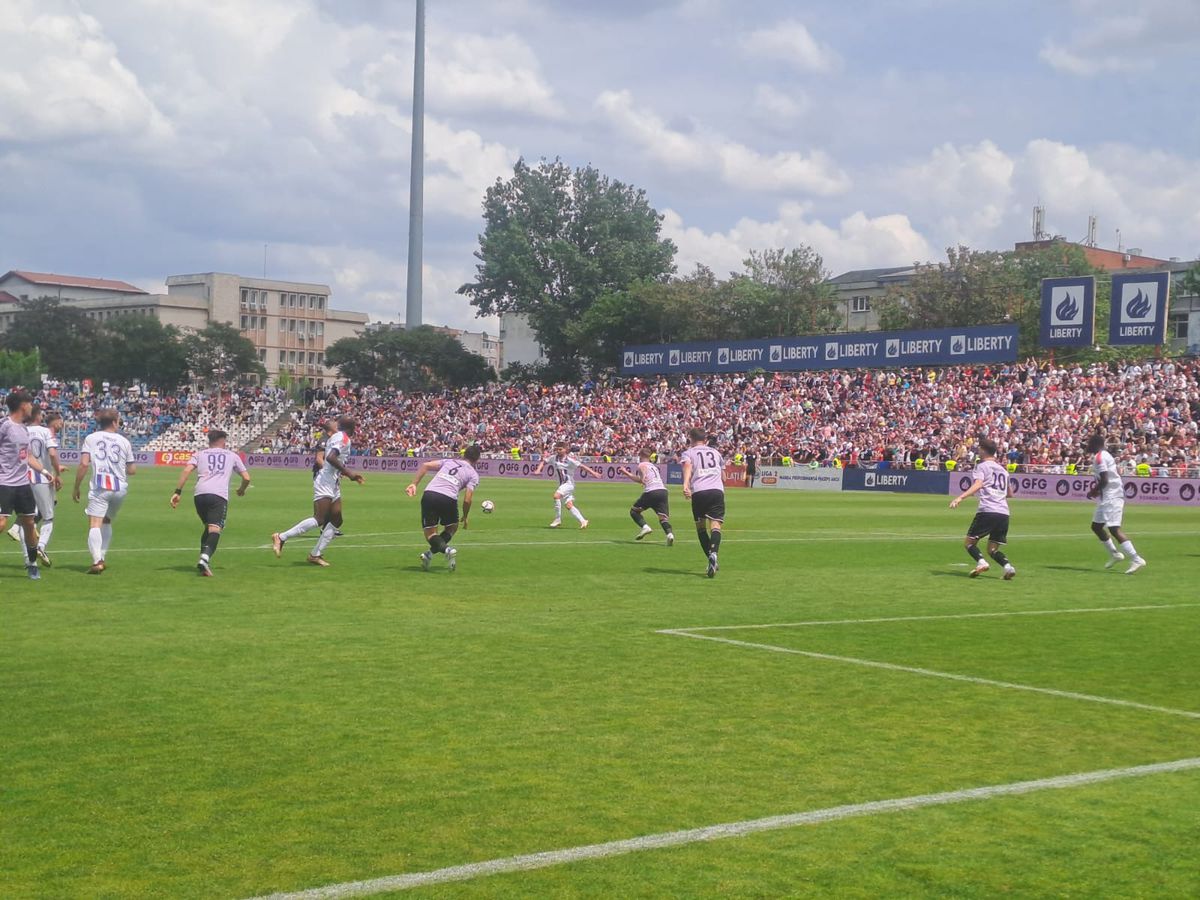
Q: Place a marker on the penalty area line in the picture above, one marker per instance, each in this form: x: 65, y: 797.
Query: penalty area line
x: 529, y: 862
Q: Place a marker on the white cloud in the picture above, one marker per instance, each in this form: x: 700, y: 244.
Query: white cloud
x: 790, y: 42
x: 61, y: 79
x: 1124, y: 37
x: 858, y: 241
x: 775, y: 106
x: 968, y: 190
x: 736, y: 164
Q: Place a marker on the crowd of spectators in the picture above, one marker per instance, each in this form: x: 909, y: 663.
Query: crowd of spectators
x: 162, y: 420
x: 1040, y: 413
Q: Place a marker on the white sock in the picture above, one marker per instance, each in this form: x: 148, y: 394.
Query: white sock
x: 95, y: 544
x: 576, y: 513
x: 299, y: 528
x: 1111, y: 546
x: 15, y: 531
x: 106, y: 539
x: 1127, y: 546
x: 47, y: 530
x: 327, y: 535
x: 558, y: 509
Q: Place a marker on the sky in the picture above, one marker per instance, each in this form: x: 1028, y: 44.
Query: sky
x: 147, y: 138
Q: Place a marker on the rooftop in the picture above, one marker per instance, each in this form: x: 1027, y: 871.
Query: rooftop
x: 868, y: 275
x: 47, y: 279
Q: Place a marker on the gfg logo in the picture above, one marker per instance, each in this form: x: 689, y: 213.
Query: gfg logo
x: 1062, y: 487
x: 1187, y: 493
x: 1130, y: 491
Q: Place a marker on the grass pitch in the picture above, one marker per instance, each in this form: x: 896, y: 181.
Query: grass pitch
x: 281, y: 727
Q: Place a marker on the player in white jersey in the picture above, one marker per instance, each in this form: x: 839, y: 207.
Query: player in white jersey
x: 1109, y: 494
x: 327, y: 495
x: 564, y: 465
x: 43, y: 446
x: 654, y: 496
x: 109, y: 455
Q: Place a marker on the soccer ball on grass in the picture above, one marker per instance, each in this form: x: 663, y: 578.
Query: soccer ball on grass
x: 487, y: 506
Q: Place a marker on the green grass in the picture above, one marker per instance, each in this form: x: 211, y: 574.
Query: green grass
x: 280, y: 727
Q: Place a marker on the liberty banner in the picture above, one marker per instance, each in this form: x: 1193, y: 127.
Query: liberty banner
x: 1068, y: 312
x: 859, y: 350
x: 1139, y: 308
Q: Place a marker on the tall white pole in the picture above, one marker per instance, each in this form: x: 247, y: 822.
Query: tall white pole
x: 416, y: 193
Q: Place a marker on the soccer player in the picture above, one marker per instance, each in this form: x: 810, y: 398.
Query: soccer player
x: 1109, y: 494
x: 565, y: 465
x: 328, y: 430
x: 43, y: 446
x: 216, y: 466
x: 110, y: 457
x: 654, y: 496
x: 704, y: 485
x: 16, y: 464
x: 439, y: 502
x: 327, y: 495
x: 993, y: 486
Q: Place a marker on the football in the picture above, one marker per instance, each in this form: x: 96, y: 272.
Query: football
x: 487, y: 506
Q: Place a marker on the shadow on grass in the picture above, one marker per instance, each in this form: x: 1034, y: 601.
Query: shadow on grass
x: 1090, y: 570
x: 651, y: 570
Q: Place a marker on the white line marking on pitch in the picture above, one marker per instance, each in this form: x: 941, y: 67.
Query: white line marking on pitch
x: 985, y: 615
x: 550, y: 858
x: 615, y: 541
x: 933, y: 673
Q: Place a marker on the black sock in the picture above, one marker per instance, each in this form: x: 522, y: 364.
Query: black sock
x: 31, y: 552
x: 436, y: 544
x: 638, y: 518
x: 999, y: 557
x: 705, y: 543
x: 203, y: 540
x: 975, y: 552
x: 210, y: 543
x: 666, y: 526
x: 447, y: 536
x: 716, y: 542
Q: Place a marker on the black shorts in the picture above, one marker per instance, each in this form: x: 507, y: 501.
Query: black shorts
x: 438, y: 509
x: 993, y: 526
x: 17, y: 499
x: 655, y: 500
x: 708, y: 505
x: 212, y: 509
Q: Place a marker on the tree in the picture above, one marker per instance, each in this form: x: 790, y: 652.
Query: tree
x: 973, y: 287
x: 799, y: 301
x: 141, y: 348
x: 20, y: 368
x: 408, y: 359
x: 219, y: 353
x: 555, y: 241
x: 65, y: 337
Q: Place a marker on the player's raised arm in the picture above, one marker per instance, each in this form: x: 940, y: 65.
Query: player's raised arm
x: 540, y: 466
x: 590, y: 471
x: 183, y: 480
x: 85, y: 463
x: 430, y: 465
x: 630, y: 474
x: 973, y: 489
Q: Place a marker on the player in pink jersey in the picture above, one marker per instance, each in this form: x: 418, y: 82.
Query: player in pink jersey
x: 994, y: 487
x: 439, y: 502
x: 704, y: 485
x: 216, y: 467
x: 654, y: 496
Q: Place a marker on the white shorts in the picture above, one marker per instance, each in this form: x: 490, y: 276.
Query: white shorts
x: 325, y: 491
x: 1110, y: 512
x: 566, y: 490
x: 105, y: 504
x: 43, y: 493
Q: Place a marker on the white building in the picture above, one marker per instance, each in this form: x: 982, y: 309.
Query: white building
x: 519, y: 342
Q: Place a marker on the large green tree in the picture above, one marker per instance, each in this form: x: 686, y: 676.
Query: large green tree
x: 20, y: 368
x: 555, y: 241
x: 797, y: 298
x: 220, y: 354
x: 65, y: 337
x: 409, y: 359
x: 141, y: 348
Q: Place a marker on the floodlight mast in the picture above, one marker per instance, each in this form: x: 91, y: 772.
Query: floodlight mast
x: 416, y: 192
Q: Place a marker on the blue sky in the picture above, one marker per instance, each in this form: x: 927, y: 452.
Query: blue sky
x: 141, y: 138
